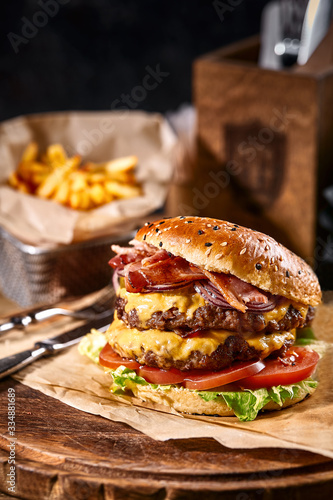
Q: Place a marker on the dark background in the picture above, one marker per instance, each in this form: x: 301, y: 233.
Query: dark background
x: 91, y: 51
x: 84, y: 54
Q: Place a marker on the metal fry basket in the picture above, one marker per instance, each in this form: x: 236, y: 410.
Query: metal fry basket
x: 30, y: 275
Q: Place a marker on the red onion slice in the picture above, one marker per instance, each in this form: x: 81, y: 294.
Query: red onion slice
x: 115, y: 280
x: 166, y: 286
x: 210, y: 293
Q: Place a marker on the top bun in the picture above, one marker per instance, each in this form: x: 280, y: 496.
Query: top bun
x: 223, y: 247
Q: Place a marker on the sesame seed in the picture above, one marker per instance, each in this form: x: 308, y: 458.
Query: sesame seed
x: 188, y: 241
x: 157, y: 229
x: 144, y: 237
x: 200, y: 232
x: 258, y: 266
x: 216, y: 228
x: 147, y: 223
x: 150, y: 225
x: 163, y: 222
x: 288, y: 274
x: 276, y: 267
x: 219, y: 255
x: 182, y: 217
x: 188, y: 221
x: 235, y: 225
x: 234, y: 229
x: 208, y: 244
x: 160, y: 244
x: 267, y: 247
x: 242, y: 251
x: 280, y: 258
x: 209, y: 225
x: 299, y: 272
x: 224, y: 244
x: 170, y: 254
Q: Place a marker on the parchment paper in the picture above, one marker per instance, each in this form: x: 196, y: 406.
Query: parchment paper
x: 76, y: 381
x: 97, y: 136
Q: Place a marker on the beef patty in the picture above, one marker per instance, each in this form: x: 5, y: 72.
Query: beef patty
x: 211, y: 350
x: 211, y: 317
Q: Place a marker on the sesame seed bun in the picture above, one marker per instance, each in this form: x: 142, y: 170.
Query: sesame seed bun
x: 223, y: 247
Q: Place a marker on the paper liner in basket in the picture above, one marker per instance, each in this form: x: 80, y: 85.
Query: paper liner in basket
x: 97, y: 136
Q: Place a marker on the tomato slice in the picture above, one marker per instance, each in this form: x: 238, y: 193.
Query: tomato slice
x: 298, y: 364
x: 109, y: 358
x: 203, y: 380
x: 161, y: 377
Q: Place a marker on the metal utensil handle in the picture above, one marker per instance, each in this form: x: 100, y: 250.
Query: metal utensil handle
x: 16, y: 362
x: 20, y: 320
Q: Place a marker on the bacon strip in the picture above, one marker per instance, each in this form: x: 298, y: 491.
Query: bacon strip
x: 235, y: 291
x: 222, y: 283
x: 172, y: 270
x: 147, y: 269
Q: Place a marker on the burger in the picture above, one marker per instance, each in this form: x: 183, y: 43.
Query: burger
x: 207, y: 319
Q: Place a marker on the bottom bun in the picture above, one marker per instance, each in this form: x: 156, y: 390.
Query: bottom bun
x: 188, y: 401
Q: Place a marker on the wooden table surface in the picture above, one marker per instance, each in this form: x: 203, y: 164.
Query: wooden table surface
x: 63, y: 453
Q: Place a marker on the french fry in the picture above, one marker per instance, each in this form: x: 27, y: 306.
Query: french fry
x: 64, y: 180
x: 85, y: 201
x: 121, y: 164
x: 74, y: 200
x: 16, y: 183
x: 119, y: 190
x: 97, y: 194
x: 62, y: 192
x: 48, y: 187
x: 30, y: 153
x: 78, y: 181
x: 56, y: 155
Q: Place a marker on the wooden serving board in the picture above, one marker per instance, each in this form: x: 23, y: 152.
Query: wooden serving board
x: 62, y: 453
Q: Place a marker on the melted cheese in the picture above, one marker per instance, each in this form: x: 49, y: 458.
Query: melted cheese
x: 187, y: 301
x: 146, y: 304
x: 130, y: 342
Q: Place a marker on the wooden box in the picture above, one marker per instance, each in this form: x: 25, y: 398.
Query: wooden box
x: 264, y: 144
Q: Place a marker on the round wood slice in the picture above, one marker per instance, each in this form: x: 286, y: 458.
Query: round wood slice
x: 62, y: 453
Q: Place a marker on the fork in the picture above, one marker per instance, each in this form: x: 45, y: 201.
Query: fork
x: 101, y: 308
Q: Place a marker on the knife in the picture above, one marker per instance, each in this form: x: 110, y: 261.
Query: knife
x: 12, y: 364
x: 316, y: 23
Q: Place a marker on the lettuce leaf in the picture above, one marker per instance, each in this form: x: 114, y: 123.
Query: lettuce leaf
x: 246, y: 404
x: 92, y: 344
